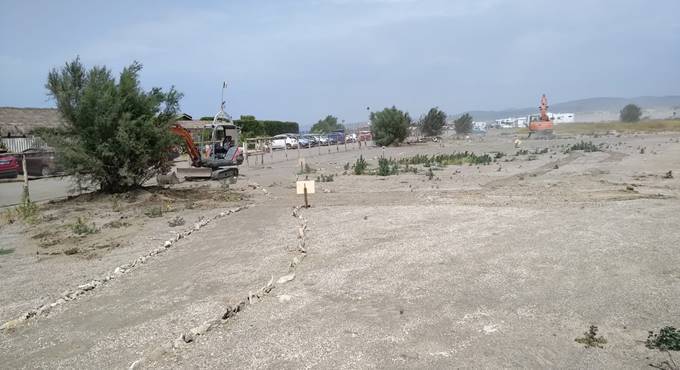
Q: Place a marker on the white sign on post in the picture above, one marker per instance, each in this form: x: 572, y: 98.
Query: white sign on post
x: 301, y: 187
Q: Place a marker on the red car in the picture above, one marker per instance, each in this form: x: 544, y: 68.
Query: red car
x: 9, y: 166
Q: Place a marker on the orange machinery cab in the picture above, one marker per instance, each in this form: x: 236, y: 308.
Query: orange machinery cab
x: 536, y: 125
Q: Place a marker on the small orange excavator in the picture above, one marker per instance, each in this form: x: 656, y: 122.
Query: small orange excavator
x: 541, y: 123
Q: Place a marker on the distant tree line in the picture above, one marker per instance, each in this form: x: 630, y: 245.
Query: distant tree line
x: 251, y: 127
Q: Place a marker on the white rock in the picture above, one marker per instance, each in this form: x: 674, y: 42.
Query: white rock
x: 284, y: 298
x: 118, y: 270
x: 286, y: 278
x: 167, y: 244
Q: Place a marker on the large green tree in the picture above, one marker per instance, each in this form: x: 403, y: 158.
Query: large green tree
x: 389, y: 126
x: 630, y: 113
x: 115, y: 134
x: 433, y: 122
x: 463, y: 125
x: 328, y: 124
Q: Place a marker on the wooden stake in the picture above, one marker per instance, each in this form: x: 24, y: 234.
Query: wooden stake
x: 306, y: 202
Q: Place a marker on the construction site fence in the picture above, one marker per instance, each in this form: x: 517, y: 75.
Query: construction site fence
x: 261, y: 151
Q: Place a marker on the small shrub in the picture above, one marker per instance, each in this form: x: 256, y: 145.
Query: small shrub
x: 177, y: 221
x: 590, y: 338
x: 6, y: 251
x: 385, y: 167
x: 585, y: 146
x: 360, y: 166
x: 324, y: 178
x: 522, y: 152
x: 346, y: 166
x: 668, y: 175
x: 429, y: 174
x: 668, y: 339
x: 153, y: 212
x: 82, y: 228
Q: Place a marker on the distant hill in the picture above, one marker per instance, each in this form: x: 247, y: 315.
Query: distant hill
x: 594, y: 109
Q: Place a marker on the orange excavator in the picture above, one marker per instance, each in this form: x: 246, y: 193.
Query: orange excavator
x: 221, y: 154
x: 541, y: 123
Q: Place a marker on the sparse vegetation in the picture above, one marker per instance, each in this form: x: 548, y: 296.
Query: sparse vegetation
x: 429, y: 174
x: 346, y: 166
x: 324, y: 178
x: 27, y: 210
x: 667, y: 339
x: 457, y: 158
x: 81, y: 227
x: 590, y: 338
x: 153, y: 212
x: 6, y: 251
x: 387, y: 167
x: 360, y: 166
x: 585, y: 146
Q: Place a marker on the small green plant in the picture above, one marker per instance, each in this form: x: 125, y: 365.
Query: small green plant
x: 83, y: 228
x: 585, y: 146
x: 360, y: 166
x: 668, y: 339
x: 590, y: 338
x: 346, y: 166
x: 27, y: 210
x: 324, y: 178
x: 522, y: 152
x: 387, y: 167
x: 154, y: 212
x: 177, y: 221
x: 6, y: 251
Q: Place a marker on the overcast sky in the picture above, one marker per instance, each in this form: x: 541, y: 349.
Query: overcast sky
x: 301, y: 60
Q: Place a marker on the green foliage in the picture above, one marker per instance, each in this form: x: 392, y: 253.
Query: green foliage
x: 433, y: 123
x: 389, y: 126
x: 6, y: 251
x: 324, y: 178
x: 328, y: 124
x: 463, y: 125
x: 115, y: 134
x: 360, y: 166
x: 456, y: 158
x: 387, y: 166
x: 346, y: 166
x: 630, y: 113
x: 27, y: 210
x: 153, y: 212
x: 251, y: 127
x: 590, y: 338
x: 585, y: 146
x: 82, y: 228
x: 668, y: 339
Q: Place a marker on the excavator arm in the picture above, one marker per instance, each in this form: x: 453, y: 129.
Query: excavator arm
x: 189, y: 144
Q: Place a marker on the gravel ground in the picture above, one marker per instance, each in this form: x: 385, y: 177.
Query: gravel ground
x: 483, y: 266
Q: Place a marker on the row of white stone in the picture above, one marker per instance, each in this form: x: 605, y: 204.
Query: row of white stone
x: 233, y: 309
x: 73, y: 294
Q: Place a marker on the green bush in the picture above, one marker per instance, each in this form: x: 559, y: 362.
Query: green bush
x: 585, y: 146
x: 389, y: 126
x: 387, y: 167
x: 360, y: 166
x: 456, y: 158
x: 433, y: 123
x: 463, y: 125
x: 115, y: 134
x: 668, y: 339
x: 82, y: 228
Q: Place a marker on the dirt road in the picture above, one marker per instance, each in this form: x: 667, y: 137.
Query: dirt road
x: 501, y: 265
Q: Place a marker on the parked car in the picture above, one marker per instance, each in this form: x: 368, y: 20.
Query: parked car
x: 284, y: 141
x: 303, y: 142
x: 9, y: 166
x: 312, y: 140
x: 39, y: 162
x: 338, y: 137
x: 323, y: 139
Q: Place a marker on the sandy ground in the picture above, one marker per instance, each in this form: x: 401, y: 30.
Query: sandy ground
x: 482, y: 266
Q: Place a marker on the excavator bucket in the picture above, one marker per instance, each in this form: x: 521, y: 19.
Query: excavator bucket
x: 189, y: 173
